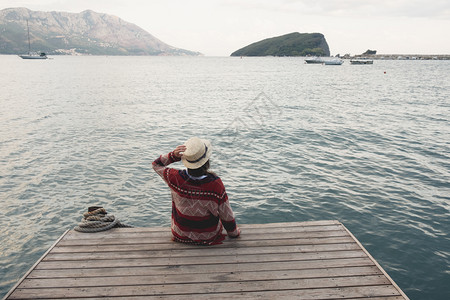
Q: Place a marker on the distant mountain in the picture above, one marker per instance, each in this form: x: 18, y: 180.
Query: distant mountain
x: 87, y: 32
x: 292, y: 44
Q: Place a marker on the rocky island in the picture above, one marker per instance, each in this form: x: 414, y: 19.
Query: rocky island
x: 82, y: 33
x: 292, y: 44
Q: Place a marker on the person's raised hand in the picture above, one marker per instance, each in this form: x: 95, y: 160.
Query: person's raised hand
x: 178, y: 152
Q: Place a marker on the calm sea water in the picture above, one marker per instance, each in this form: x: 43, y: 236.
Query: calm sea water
x: 366, y: 145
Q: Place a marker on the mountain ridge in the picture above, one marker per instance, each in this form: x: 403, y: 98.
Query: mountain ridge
x: 87, y: 32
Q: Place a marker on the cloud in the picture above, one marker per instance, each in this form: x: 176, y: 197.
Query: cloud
x: 220, y: 27
x: 346, y: 8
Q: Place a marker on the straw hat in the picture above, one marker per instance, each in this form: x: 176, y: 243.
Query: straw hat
x: 197, y: 152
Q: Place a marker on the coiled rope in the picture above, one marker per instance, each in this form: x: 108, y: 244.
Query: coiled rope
x: 96, y: 220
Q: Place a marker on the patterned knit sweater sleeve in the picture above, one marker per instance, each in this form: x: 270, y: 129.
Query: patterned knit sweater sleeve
x: 226, y: 213
x: 159, y: 165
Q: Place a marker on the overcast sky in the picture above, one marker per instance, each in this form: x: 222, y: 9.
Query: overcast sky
x: 219, y: 27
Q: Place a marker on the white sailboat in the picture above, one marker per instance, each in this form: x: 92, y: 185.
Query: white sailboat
x: 32, y: 55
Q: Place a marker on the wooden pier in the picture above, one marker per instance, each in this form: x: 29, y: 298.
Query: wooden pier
x: 302, y: 260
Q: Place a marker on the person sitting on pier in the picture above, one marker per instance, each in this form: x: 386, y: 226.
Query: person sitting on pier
x: 200, y: 206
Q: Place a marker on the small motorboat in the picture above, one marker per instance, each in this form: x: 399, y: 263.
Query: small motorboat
x: 314, y: 60
x: 361, y: 61
x: 333, y: 62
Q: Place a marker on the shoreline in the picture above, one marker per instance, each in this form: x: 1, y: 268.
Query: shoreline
x: 402, y: 56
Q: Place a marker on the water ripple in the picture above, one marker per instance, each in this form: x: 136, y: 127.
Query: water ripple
x: 292, y: 142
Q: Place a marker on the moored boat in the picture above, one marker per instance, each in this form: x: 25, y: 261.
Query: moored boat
x: 314, y: 60
x: 32, y: 55
x: 361, y: 61
x: 334, y: 62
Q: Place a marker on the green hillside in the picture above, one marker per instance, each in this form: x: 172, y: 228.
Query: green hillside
x: 292, y: 44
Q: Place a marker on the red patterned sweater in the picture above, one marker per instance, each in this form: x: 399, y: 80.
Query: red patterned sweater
x: 200, y: 205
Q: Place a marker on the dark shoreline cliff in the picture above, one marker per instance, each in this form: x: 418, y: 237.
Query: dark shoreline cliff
x: 292, y: 44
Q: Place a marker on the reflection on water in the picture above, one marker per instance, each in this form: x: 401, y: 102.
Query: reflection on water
x: 366, y: 145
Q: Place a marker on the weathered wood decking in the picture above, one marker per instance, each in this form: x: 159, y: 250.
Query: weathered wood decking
x: 307, y: 260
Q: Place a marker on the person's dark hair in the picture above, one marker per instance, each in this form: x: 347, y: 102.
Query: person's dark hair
x: 203, y: 170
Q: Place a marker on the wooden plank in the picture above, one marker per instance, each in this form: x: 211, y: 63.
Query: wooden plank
x: 292, y: 224
x: 254, y: 229
x: 251, y: 240
x: 202, y: 288
x: 232, y: 276
x: 201, y: 269
x: 104, y: 255
x: 270, y: 227
x: 149, y: 244
x: 219, y: 249
x: 197, y: 260
x: 166, y: 237
x: 383, y: 292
